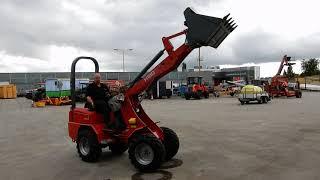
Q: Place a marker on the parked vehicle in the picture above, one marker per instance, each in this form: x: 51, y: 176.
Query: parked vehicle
x: 280, y: 84
x: 196, y: 89
x: 253, y: 93
x: 161, y: 89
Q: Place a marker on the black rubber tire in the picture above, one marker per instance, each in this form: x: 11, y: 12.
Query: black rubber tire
x: 298, y: 95
x: 242, y: 102
x: 118, y: 148
x: 187, y: 96
x: 264, y: 100
x: 94, y: 146
x: 197, y: 95
x: 260, y: 101
x: 206, y: 95
x: 170, y: 142
x: 156, y: 146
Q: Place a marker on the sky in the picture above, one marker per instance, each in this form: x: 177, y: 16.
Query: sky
x: 46, y: 35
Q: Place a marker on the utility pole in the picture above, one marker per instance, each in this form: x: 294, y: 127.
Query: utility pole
x: 199, y: 61
x: 122, y: 51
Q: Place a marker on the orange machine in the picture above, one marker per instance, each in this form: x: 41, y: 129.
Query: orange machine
x: 280, y: 85
x: 196, y: 89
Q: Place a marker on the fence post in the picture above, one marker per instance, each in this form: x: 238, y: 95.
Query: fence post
x: 305, y: 83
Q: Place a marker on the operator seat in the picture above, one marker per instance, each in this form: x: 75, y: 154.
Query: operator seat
x: 88, y: 106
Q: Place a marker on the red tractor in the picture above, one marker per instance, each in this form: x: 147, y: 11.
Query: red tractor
x: 149, y: 145
x: 280, y: 85
x: 196, y: 89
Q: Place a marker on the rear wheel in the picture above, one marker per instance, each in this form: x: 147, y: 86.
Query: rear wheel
x: 242, y: 102
x: 88, y: 146
x: 146, y: 152
x: 260, y: 101
x: 170, y: 142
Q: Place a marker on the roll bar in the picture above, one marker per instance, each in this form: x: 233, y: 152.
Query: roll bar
x: 73, y: 77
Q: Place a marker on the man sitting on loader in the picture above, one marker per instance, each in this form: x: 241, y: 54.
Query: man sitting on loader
x: 98, y: 95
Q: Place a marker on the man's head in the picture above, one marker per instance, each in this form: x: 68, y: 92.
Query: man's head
x: 97, y: 78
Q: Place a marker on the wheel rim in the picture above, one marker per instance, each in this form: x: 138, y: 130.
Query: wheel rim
x: 84, y: 146
x: 144, y: 154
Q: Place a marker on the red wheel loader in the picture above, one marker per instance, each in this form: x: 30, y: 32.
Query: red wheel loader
x: 149, y: 145
x: 196, y: 89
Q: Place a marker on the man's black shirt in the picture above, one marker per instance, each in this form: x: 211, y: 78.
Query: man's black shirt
x: 96, y: 92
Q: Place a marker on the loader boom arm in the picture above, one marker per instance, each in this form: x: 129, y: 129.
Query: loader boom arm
x: 286, y: 61
x: 171, y: 62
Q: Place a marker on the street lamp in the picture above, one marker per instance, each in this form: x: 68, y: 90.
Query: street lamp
x: 122, y: 50
x: 199, y: 61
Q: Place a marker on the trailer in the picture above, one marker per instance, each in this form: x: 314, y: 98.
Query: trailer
x: 253, y: 93
x: 161, y: 89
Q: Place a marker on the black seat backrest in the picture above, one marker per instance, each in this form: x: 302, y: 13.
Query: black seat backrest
x: 88, y: 106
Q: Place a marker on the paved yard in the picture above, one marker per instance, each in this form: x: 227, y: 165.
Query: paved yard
x: 220, y: 139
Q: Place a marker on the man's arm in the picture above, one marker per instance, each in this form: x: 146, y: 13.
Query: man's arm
x: 89, y: 100
x: 88, y: 95
x: 107, y: 91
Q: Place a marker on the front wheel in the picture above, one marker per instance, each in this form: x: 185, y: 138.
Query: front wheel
x: 171, y: 142
x: 187, y: 96
x: 88, y: 146
x: 146, y: 152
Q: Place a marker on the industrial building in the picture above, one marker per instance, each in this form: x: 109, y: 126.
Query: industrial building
x: 215, y: 75
x: 212, y: 75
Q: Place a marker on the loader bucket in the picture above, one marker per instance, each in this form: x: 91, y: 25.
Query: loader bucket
x: 206, y: 30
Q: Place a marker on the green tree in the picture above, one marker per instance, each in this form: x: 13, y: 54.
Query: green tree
x: 284, y: 73
x: 290, y: 74
x: 310, y: 67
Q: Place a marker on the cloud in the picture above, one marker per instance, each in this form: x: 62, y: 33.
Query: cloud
x: 54, y: 32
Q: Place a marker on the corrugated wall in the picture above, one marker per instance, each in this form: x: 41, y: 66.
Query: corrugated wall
x: 28, y: 80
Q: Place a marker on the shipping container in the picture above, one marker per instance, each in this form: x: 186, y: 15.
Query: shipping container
x: 57, y: 87
x: 8, y: 91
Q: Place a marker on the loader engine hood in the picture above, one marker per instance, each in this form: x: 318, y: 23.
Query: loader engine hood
x: 206, y: 30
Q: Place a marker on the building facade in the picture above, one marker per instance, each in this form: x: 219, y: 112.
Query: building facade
x: 210, y: 76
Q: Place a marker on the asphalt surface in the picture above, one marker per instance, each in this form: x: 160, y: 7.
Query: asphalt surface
x: 219, y: 138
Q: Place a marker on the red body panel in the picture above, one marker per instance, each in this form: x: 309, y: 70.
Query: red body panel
x: 199, y: 87
x: 80, y: 117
